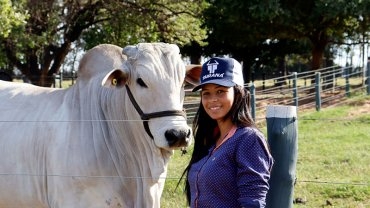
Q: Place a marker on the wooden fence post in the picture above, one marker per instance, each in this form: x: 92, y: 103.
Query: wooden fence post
x: 318, y: 91
x: 346, y: 75
x: 73, y: 76
x: 367, y: 79
x: 295, y: 89
x: 282, y: 134
x: 253, y: 101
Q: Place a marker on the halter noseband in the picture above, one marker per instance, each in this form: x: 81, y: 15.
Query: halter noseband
x: 146, y: 116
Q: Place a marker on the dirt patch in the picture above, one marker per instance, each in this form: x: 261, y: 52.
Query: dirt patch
x: 363, y: 108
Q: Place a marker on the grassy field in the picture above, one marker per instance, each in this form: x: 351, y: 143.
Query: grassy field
x: 333, y: 168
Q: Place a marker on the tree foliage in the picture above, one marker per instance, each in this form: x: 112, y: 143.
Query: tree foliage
x: 237, y: 25
x: 322, y: 22
x: 36, y: 36
x: 146, y: 21
x: 9, y: 18
x: 39, y: 47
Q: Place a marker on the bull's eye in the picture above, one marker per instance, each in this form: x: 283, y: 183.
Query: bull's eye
x: 114, y: 82
x: 141, y: 82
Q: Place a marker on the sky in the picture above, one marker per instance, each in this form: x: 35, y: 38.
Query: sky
x: 355, y: 56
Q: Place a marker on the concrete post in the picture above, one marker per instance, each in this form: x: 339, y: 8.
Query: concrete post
x: 282, y: 134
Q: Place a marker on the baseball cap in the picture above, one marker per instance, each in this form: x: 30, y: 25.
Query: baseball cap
x: 222, y: 71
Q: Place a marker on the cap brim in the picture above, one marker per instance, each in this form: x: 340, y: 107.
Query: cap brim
x: 225, y: 83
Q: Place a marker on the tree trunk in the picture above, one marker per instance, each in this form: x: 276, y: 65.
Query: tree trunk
x: 281, y: 71
x: 195, y: 59
x: 319, y: 41
x: 247, y: 72
x: 317, y: 55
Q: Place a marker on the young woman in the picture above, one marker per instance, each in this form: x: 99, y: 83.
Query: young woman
x: 230, y: 164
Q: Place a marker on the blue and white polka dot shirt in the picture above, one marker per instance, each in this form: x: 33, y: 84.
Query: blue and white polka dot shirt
x: 234, y: 175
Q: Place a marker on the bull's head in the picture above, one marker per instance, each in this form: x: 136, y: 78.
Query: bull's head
x: 153, y: 77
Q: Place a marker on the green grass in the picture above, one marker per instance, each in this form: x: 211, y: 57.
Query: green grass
x: 174, y: 196
x: 333, y: 164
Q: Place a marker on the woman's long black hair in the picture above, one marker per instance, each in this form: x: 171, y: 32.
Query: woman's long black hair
x: 204, y: 126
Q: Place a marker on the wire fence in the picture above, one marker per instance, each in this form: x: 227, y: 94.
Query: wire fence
x: 307, y: 90
x: 340, y: 146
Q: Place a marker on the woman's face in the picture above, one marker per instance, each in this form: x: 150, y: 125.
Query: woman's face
x: 217, y: 100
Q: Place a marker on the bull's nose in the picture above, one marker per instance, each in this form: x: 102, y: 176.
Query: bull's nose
x: 177, y: 137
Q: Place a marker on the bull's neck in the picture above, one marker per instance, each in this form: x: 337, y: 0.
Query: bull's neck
x: 136, y: 160
x: 136, y: 155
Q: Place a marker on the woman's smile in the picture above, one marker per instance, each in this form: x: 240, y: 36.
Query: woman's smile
x: 214, y: 108
x: 217, y: 100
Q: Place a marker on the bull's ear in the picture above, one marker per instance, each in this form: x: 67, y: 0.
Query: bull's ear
x: 193, y: 74
x: 115, y: 78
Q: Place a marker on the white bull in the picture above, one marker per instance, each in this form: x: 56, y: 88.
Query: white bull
x: 86, y: 146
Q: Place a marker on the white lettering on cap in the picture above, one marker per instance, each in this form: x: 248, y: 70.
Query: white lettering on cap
x: 218, y: 75
x: 212, y: 67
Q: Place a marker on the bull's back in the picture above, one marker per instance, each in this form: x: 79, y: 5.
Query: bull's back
x: 48, y: 154
x: 19, y: 101
x: 27, y: 118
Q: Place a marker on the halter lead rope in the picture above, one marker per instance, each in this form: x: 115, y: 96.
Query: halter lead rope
x: 146, y: 116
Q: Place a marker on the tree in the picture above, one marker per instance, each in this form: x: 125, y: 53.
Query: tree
x: 9, y: 18
x: 165, y: 21
x: 236, y: 27
x: 322, y: 22
x: 233, y: 31
x: 39, y: 47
